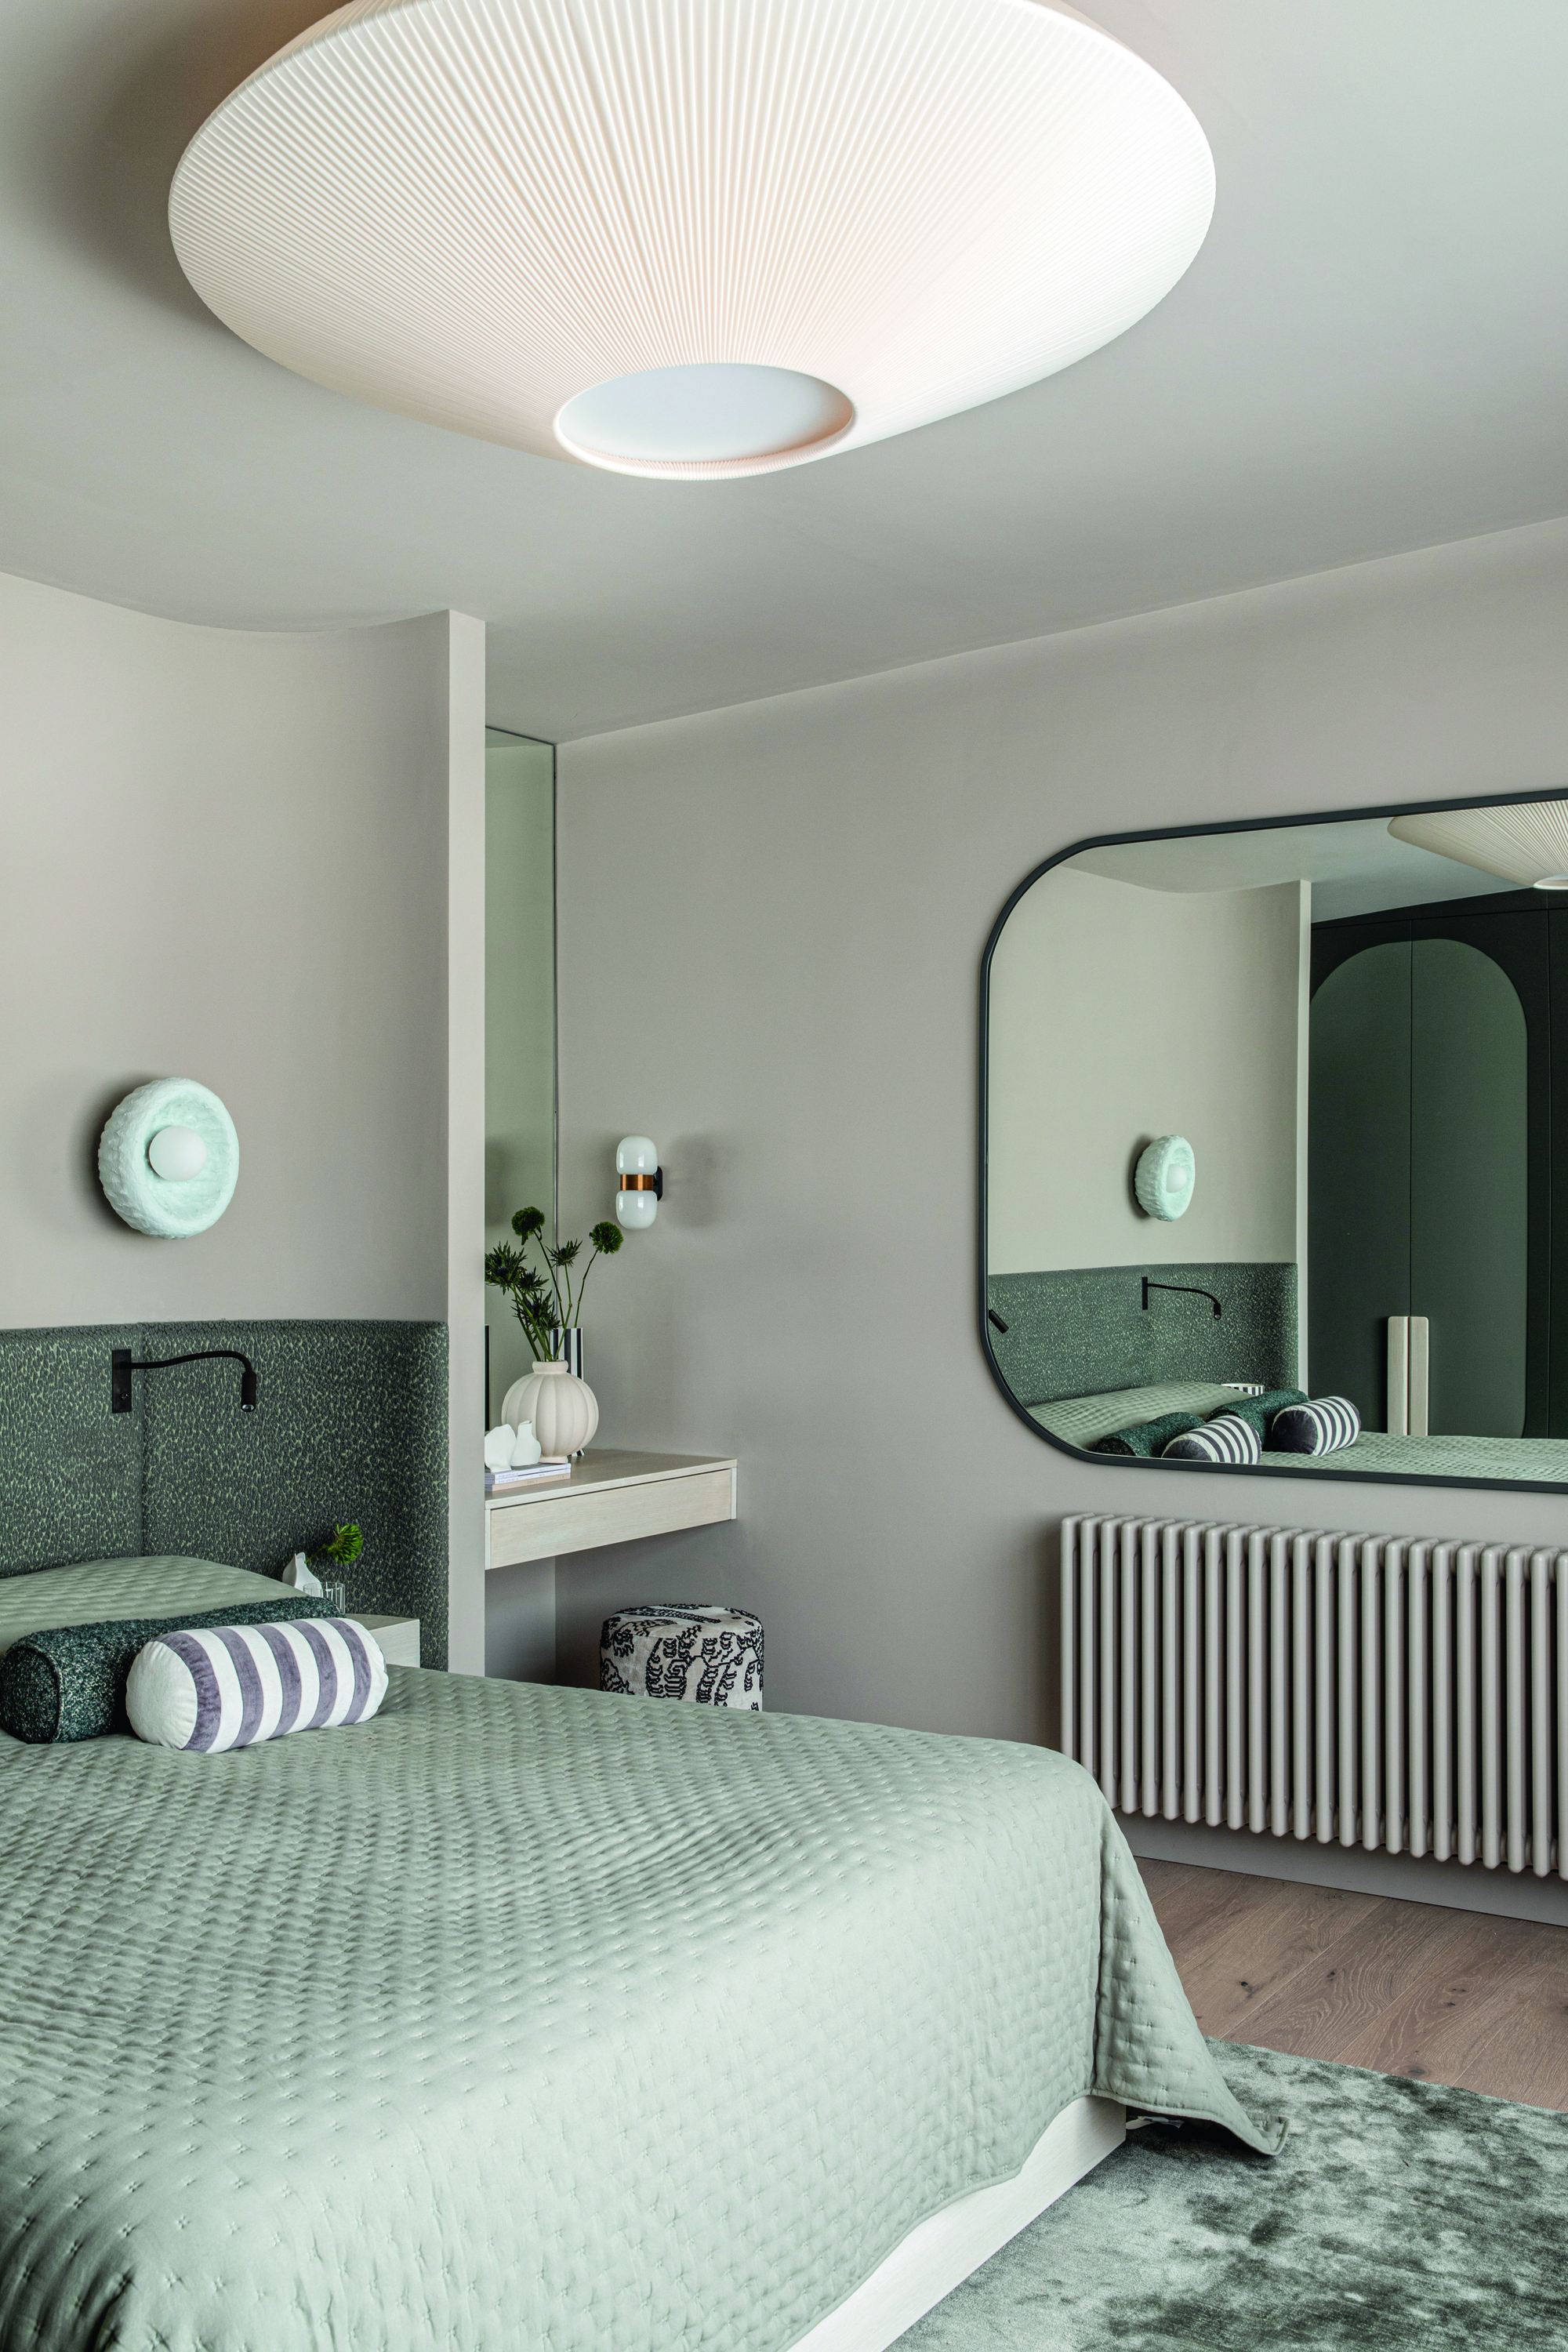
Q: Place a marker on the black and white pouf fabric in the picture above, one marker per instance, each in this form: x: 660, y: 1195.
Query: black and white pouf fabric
x: 696, y: 1651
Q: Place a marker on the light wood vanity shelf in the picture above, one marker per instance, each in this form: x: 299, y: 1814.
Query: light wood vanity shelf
x: 610, y: 1497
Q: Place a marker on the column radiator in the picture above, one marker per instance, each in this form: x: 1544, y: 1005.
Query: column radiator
x: 1393, y: 1692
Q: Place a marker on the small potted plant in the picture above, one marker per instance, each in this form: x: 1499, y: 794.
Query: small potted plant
x: 335, y: 1556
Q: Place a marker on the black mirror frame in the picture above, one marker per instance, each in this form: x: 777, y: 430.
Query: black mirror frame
x: 1177, y: 1468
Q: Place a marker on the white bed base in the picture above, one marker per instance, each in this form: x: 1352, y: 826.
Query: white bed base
x: 942, y: 2251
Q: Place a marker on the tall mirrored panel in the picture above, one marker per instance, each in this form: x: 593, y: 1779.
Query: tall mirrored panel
x: 1270, y: 1169
x: 520, y: 1011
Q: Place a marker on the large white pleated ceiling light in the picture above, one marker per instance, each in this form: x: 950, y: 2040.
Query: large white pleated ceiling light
x: 692, y: 238
x: 1527, y: 843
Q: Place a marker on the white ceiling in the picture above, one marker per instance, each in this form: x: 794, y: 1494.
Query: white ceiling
x: 1355, y: 866
x: 1369, y: 353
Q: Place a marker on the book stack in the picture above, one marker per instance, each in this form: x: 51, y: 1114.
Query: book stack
x: 503, y: 1482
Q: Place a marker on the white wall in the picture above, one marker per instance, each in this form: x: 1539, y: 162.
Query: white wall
x: 256, y: 861
x: 1117, y: 1014
x: 812, y: 880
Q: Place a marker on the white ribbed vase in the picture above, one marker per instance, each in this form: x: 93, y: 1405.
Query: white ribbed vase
x: 564, y: 1410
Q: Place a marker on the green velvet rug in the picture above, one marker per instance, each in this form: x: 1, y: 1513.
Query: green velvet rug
x: 1399, y: 2217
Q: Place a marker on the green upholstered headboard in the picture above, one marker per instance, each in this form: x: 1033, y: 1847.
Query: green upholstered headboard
x: 350, y: 1423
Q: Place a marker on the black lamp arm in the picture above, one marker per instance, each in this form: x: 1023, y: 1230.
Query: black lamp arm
x: 1187, y: 1289
x: 121, y: 1364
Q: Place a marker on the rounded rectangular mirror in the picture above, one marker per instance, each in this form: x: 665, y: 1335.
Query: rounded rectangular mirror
x: 1268, y: 1171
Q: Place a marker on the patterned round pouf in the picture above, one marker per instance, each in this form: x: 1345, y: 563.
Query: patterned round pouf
x: 671, y: 1650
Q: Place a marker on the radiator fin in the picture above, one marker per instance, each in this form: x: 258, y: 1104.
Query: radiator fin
x: 1400, y: 1694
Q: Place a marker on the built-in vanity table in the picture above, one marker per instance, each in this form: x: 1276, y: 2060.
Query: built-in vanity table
x: 612, y: 1496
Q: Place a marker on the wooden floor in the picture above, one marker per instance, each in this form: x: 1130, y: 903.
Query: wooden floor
x: 1403, y: 1988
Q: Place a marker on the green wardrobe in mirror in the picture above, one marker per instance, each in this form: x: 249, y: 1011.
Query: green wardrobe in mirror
x: 1430, y: 1105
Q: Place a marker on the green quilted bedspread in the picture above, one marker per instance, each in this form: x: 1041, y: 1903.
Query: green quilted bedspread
x: 533, y: 2021
x: 162, y: 1585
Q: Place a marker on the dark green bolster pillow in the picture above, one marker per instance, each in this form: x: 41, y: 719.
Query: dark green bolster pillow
x: 1150, y: 1436
x: 1259, y: 1410
x: 69, y: 1681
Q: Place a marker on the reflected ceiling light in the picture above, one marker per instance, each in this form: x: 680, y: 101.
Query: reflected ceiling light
x: 1528, y: 845
x: 692, y: 238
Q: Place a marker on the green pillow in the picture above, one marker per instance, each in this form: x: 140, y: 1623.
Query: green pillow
x: 1147, y: 1437
x: 1259, y: 1410
x: 67, y: 1682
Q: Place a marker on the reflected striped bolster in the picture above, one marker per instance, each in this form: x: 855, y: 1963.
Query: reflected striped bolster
x: 1225, y: 1438
x: 221, y: 1686
x: 1321, y: 1427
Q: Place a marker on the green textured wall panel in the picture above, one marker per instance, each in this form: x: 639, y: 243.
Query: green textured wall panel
x: 351, y: 1424
x: 70, y: 1472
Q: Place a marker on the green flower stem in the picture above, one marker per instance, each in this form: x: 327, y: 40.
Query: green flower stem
x: 541, y: 1315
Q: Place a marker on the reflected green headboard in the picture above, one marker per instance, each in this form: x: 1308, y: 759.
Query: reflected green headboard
x: 1082, y: 1331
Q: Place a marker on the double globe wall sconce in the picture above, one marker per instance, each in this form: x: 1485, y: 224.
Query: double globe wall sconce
x: 640, y: 1183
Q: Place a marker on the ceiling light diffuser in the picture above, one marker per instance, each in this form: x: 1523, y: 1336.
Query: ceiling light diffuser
x: 692, y: 238
x: 1528, y: 844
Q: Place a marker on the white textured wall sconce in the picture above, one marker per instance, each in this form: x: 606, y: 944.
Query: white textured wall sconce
x: 641, y: 1183
x: 1167, y: 1171
x: 168, y: 1159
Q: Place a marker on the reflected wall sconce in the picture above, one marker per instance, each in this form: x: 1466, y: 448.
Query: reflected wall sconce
x: 641, y: 1183
x: 1167, y: 1169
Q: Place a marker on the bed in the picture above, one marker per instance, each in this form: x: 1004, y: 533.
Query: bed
x: 524, y: 2017
x: 1084, y: 1421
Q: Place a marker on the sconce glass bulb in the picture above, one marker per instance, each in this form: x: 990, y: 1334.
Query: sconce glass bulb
x: 176, y: 1154
x: 637, y: 1164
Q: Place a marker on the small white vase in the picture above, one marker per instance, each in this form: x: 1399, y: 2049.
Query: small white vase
x: 564, y: 1410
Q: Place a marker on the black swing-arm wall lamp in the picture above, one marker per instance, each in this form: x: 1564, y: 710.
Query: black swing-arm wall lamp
x: 121, y: 1364
x: 1187, y: 1290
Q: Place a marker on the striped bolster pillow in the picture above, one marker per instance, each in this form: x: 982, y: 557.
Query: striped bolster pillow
x: 1320, y: 1427
x: 1225, y: 1438
x: 221, y: 1686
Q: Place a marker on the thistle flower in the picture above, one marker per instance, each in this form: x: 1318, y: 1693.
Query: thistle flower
x: 544, y: 1303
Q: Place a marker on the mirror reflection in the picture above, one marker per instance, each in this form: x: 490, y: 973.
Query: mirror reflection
x: 1269, y: 1167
